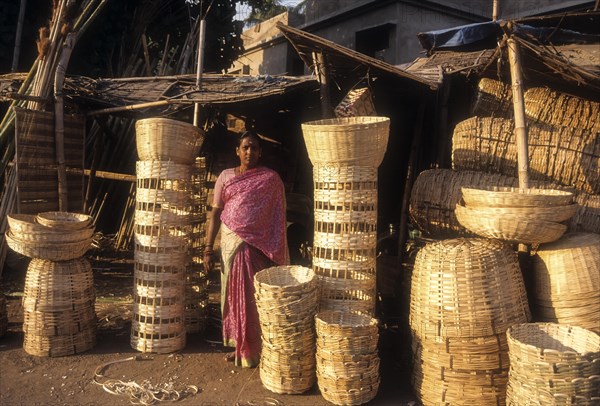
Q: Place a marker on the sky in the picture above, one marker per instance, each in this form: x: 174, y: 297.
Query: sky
x: 244, y: 10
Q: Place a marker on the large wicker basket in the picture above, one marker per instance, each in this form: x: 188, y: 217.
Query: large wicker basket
x: 287, y: 298
x: 467, y: 288
x: 164, y: 139
x: 347, y: 359
x: 553, y: 361
x: 350, y: 140
x: 508, y: 197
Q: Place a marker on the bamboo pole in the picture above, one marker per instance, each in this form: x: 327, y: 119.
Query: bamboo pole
x: 516, y: 75
x: 18, y: 34
x: 322, y: 73
x: 200, y: 66
x: 495, y: 10
x: 59, y: 128
x: 146, y: 55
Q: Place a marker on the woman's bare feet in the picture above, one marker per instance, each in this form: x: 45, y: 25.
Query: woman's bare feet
x: 230, y: 356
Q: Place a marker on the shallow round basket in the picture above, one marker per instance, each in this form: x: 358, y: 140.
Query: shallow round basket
x: 555, y: 214
x: 348, y: 140
x: 26, y: 227
x: 507, y: 227
x: 48, y: 251
x: 336, y: 324
x: 167, y: 140
x: 515, y: 197
x: 63, y: 220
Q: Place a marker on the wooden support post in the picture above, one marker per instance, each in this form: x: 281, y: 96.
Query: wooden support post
x: 200, y: 66
x: 516, y: 75
x: 415, y: 149
x: 495, y: 10
x: 59, y: 128
x: 322, y: 72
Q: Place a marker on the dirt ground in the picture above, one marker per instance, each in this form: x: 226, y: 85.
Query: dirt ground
x: 30, y: 380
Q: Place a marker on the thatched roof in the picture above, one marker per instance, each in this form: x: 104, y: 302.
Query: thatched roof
x: 98, y: 96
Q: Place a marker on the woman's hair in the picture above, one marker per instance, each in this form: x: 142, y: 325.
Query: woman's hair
x: 247, y: 134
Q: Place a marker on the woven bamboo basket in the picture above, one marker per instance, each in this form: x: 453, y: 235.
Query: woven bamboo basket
x: 167, y: 140
x: 3, y: 315
x: 156, y: 214
x: 157, y: 338
x: 564, y: 155
x: 493, y: 98
x: 364, y: 140
x: 543, y: 200
x: 66, y: 221
x: 58, y: 307
x: 58, y: 286
x: 287, y: 298
x: 551, y: 361
x: 26, y: 227
x: 59, y: 346
x: 48, y: 250
x: 560, y: 109
x: 469, y: 354
x: 555, y: 214
x: 163, y: 175
x: 466, y: 288
x: 355, y: 292
x: 347, y: 359
x: 436, y: 192
x: 433, y: 388
x: 509, y: 228
x: 567, y: 269
x: 196, y: 301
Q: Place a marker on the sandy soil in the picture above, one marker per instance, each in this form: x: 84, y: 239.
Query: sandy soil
x: 30, y: 380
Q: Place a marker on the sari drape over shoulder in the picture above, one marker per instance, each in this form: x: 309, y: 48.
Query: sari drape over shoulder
x: 254, y: 238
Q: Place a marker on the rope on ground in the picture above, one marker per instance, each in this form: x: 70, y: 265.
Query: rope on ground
x: 144, y: 393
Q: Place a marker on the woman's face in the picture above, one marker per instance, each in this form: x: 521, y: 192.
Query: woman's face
x: 249, y: 152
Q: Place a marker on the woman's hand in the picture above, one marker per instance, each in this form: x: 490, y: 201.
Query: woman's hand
x: 209, y: 260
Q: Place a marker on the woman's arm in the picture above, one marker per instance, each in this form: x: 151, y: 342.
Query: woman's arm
x: 214, y: 222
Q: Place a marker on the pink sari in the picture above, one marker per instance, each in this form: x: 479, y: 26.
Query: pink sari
x: 254, y: 212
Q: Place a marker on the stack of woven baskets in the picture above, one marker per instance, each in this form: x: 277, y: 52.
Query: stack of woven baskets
x: 465, y: 294
x: 531, y: 216
x: 59, y: 297
x: 566, y: 281
x: 163, y: 218
x: 553, y: 364
x: 3, y: 315
x: 345, y: 154
x: 196, y: 286
x: 287, y: 298
x: 347, y: 359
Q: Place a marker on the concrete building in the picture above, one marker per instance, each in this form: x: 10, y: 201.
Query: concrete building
x: 384, y: 29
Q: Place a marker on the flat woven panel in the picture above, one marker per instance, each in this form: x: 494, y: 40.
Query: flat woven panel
x: 358, y: 102
x: 493, y: 99
x: 466, y: 288
x: 436, y: 192
x: 548, y: 106
x: 37, y: 178
x: 551, y: 361
x: 563, y: 155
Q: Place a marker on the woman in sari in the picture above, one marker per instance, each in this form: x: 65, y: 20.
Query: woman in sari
x: 249, y: 206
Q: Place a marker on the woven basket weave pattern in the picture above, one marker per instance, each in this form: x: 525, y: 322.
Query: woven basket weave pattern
x: 167, y: 140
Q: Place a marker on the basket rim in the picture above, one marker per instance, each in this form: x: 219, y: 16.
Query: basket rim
x: 289, y: 270
x: 518, y: 328
x: 345, y: 121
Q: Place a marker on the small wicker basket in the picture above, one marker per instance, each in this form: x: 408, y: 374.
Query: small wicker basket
x: 61, y: 220
x: 349, y: 140
x: 164, y: 139
x: 515, y: 197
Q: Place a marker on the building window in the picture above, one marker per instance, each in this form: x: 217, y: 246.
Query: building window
x: 377, y: 42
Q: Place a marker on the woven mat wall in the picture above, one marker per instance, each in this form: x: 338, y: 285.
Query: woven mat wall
x: 563, y: 155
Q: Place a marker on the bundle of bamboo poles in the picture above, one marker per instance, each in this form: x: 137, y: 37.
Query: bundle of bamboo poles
x: 69, y: 21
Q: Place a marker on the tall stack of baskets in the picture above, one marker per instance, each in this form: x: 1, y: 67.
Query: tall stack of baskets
x: 59, y: 296
x: 163, y: 219
x: 345, y: 153
x: 196, y: 287
x: 347, y: 358
x: 287, y: 298
x: 553, y: 364
x: 465, y: 294
x: 566, y: 281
